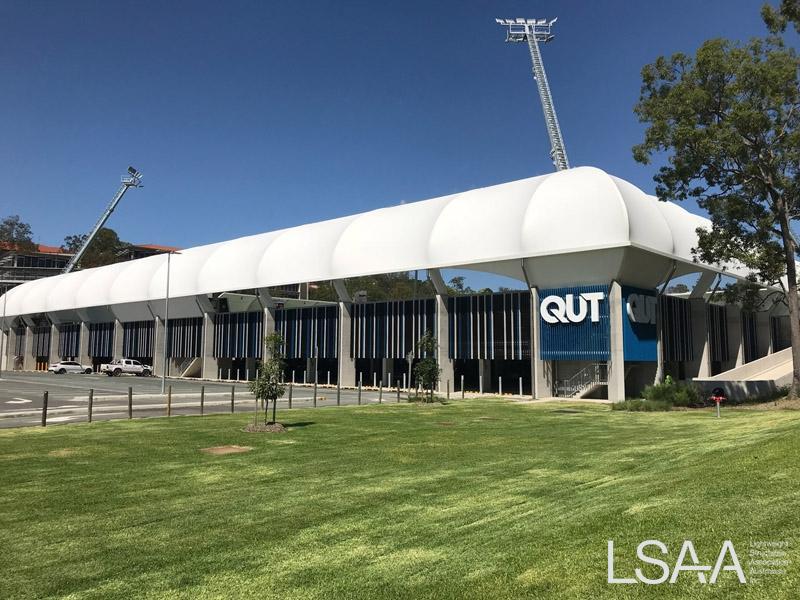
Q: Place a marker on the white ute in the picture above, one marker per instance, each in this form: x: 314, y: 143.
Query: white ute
x: 126, y: 366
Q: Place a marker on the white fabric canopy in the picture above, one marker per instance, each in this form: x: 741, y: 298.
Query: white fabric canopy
x: 577, y: 210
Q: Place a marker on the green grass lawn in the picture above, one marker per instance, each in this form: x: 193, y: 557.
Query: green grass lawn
x: 469, y: 500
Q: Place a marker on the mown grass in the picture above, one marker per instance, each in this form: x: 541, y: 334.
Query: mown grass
x: 467, y: 500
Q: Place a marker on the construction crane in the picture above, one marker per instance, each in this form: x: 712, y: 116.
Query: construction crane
x: 133, y: 179
x: 534, y: 31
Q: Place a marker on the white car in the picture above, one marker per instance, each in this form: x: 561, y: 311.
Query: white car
x: 69, y: 366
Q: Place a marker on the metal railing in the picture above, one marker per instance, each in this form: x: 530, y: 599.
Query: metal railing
x: 590, y: 375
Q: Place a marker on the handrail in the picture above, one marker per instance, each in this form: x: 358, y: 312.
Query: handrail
x: 593, y: 374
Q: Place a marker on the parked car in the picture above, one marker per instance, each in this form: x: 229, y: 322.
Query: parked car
x: 126, y: 366
x: 68, y: 366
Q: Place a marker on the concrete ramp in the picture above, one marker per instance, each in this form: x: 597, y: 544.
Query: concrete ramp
x: 758, y: 378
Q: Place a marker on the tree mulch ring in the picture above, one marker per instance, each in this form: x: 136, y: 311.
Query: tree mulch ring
x: 219, y: 450
x: 268, y: 428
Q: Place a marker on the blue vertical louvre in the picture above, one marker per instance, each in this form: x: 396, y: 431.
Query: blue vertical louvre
x: 239, y: 335
x: 391, y: 329
x: 137, y: 339
x: 718, y: 332
x: 306, y: 329
x: 490, y: 326
x: 586, y: 340
x: 676, y: 328
x: 69, y: 336
x: 41, y: 341
x: 184, y: 337
x: 19, y: 342
x: 101, y: 340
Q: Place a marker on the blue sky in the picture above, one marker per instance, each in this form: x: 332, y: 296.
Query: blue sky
x: 250, y: 116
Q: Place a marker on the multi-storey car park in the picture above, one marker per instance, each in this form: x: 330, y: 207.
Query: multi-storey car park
x: 593, y: 255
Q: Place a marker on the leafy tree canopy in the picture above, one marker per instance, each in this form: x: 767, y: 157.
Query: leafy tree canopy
x: 105, y: 249
x: 14, y: 231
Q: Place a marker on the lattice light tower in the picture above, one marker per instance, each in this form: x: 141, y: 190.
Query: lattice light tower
x: 534, y: 31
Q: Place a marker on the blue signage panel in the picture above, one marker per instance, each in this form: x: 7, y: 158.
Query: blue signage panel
x: 639, y: 333
x: 574, y: 323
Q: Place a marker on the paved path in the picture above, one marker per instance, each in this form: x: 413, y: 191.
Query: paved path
x: 68, y: 397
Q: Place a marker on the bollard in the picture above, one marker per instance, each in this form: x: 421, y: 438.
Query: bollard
x: 462, y: 387
x: 169, y: 401
x: 448, y: 389
x: 338, y: 392
x: 304, y: 378
x: 329, y: 377
x: 374, y: 379
x: 520, y: 386
x: 290, y: 394
x: 500, y: 384
x: 398, y: 390
x: 91, y: 402
x: 233, y: 390
x: 389, y: 380
x: 44, y: 409
x: 292, y: 375
x: 315, y: 392
x: 202, y: 399
x: 359, y: 391
x: 404, y: 380
x: 380, y: 393
x: 130, y: 402
x: 480, y: 383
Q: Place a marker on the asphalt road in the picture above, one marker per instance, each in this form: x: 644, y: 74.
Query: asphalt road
x: 21, y: 397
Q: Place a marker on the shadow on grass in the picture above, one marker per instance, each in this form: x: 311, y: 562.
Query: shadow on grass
x: 298, y: 424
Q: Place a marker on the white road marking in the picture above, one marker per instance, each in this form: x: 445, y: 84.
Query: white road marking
x: 18, y: 401
x: 61, y: 419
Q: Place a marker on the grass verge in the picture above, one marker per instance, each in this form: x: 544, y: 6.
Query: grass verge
x: 472, y: 499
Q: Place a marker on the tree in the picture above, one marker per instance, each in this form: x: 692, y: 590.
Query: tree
x: 268, y: 385
x: 728, y: 119
x: 105, y: 249
x: 16, y: 233
x: 788, y: 12
x: 427, y: 371
x: 678, y: 288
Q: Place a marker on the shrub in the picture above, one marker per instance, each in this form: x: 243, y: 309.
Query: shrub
x: 674, y: 394
x: 639, y: 405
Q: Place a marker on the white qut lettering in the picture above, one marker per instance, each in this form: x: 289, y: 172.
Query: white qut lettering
x: 555, y: 309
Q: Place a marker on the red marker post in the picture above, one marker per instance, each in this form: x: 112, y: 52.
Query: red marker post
x: 717, y: 396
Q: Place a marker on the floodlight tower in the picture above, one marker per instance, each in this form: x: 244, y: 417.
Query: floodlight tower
x: 534, y: 31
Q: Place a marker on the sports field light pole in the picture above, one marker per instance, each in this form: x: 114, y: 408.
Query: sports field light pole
x: 2, y: 330
x: 166, y: 327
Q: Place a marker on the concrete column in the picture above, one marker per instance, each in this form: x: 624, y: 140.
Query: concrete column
x: 542, y: 386
x: 119, y: 333
x: 4, y: 339
x: 29, y: 361
x: 83, y: 346
x: 55, y: 342
x: 735, y: 337
x: 701, y: 365
x: 485, y: 372
x: 443, y: 340
x: 11, y: 349
x: 616, y: 363
x: 347, y: 365
x: 210, y: 368
x: 159, y: 339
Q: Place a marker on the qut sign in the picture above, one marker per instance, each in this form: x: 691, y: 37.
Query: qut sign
x: 572, y: 308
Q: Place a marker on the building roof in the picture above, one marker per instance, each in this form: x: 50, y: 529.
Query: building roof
x: 41, y: 248
x: 578, y: 210
x: 158, y: 247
